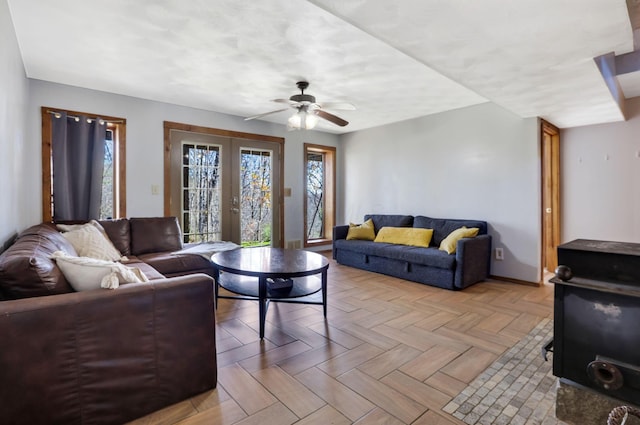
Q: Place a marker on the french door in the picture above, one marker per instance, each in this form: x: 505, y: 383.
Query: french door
x: 225, y: 188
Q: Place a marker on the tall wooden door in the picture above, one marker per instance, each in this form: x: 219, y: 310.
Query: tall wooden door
x: 550, y: 144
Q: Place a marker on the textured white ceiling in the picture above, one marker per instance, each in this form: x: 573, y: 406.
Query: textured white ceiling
x: 393, y: 60
x: 630, y: 84
x: 533, y: 57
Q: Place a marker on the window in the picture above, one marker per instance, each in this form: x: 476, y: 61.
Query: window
x: 113, y: 202
x: 108, y: 204
x: 319, y: 201
x: 255, y: 197
x: 201, y: 192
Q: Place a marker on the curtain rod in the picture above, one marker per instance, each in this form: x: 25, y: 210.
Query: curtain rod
x: 58, y: 115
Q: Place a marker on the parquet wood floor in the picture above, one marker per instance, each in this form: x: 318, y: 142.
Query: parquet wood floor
x: 389, y: 352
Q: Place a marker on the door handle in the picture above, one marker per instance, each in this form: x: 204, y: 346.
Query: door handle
x: 235, y: 210
x: 548, y: 210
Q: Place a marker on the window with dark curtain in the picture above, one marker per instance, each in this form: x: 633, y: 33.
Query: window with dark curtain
x: 78, y: 147
x: 83, y: 166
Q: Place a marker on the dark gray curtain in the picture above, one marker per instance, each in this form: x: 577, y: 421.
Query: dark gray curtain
x: 78, y: 165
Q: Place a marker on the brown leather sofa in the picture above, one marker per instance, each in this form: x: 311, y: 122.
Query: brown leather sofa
x: 104, y: 356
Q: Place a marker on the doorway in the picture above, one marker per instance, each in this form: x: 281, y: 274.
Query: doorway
x: 550, y: 148
x: 224, y: 186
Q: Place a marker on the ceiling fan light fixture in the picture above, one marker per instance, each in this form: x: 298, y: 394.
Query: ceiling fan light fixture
x: 302, y: 120
x: 308, y: 112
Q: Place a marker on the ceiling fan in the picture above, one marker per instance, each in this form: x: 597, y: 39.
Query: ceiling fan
x: 308, y: 110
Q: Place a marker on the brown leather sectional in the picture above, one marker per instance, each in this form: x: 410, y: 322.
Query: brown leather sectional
x: 104, y: 356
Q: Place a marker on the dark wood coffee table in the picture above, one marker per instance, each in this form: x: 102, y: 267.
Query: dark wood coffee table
x: 245, y: 272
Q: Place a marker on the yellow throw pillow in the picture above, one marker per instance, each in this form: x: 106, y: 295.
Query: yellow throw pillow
x: 413, y: 236
x: 364, y: 231
x: 450, y: 242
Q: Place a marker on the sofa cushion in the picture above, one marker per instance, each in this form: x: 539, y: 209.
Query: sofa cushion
x: 155, y: 234
x: 389, y: 220
x: 149, y: 272
x: 86, y: 273
x: 26, y: 267
x: 450, y: 243
x: 405, y: 236
x: 119, y: 233
x: 424, y: 256
x: 364, y: 231
x: 443, y: 227
x: 90, y: 240
x: 412, y: 254
x: 172, y: 263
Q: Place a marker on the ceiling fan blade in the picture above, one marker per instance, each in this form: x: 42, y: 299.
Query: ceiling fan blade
x: 330, y: 117
x: 287, y: 101
x: 345, y: 106
x: 265, y: 114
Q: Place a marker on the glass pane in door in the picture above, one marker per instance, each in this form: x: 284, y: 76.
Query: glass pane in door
x: 256, y: 194
x: 201, y: 186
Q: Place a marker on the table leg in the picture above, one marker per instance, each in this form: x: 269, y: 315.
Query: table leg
x: 216, y: 277
x: 324, y: 292
x: 263, y: 303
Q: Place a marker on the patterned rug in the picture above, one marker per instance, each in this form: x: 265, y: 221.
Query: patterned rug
x: 517, y: 389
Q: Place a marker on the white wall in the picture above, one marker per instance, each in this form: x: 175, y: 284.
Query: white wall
x: 145, y: 145
x: 13, y: 108
x: 600, y: 180
x: 480, y: 162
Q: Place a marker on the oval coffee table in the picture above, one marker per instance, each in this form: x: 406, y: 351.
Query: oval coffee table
x: 251, y: 274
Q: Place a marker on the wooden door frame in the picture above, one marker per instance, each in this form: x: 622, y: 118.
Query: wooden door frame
x: 169, y: 125
x: 329, y: 153
x: 550, y: 184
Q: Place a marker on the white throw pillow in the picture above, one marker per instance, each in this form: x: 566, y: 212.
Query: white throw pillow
x: 90, y: 240
x: 84, y: 273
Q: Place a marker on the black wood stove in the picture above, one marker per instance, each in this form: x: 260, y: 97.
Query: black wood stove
x: 596, y: 341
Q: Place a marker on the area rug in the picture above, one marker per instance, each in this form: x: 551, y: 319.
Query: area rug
x: 517, y: 389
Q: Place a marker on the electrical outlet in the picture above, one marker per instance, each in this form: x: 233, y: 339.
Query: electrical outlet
x: 499, y: 254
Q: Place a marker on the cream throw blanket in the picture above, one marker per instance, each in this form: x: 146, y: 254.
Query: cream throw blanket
x: 207, y: 249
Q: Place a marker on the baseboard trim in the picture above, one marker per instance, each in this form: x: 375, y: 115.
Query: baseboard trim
x: 517, y: 281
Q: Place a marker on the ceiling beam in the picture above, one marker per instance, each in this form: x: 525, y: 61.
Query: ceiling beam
x: 607, y: 65
x: 628, y: 62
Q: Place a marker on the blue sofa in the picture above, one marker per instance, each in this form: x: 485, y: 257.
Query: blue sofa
x: 431, y: 266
